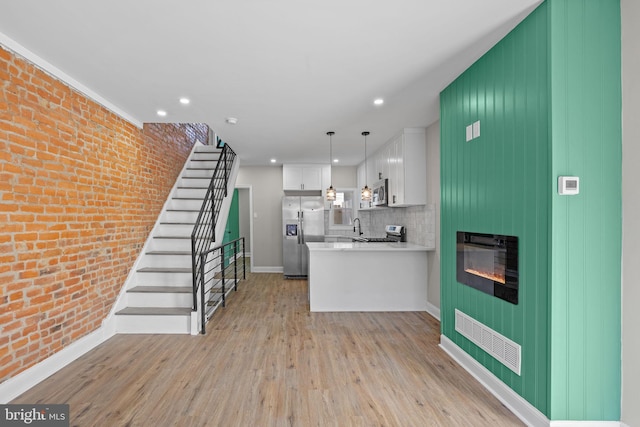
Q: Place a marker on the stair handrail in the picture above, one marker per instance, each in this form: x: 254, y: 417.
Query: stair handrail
x: 204, y: 231
x: 213, y: 272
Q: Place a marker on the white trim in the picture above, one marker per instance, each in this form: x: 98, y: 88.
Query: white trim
x: 512, y: 400
x: 267, y: 269
x: 15, y: 386
x: 586, y: 424
x: 54, y: 71
x: 433, y: 311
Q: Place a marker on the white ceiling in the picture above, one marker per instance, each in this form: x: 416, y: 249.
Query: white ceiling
x: 288, y: 70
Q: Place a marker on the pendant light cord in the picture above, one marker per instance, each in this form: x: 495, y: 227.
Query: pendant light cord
x: 366, y: 177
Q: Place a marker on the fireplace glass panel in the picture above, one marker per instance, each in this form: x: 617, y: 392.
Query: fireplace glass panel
x: 485, y: 262
x: 489, y: 263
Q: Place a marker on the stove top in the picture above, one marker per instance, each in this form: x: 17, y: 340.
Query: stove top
x: 395, y: 233
x: 380, y: 239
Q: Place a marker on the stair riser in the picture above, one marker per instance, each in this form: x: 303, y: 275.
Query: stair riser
x: 211, y: 155
x: 193, y: 193
x: 184, y: 217
x: 203, y: 163
x: 152, y: 299
x: 171, y: 261
x: 129, y: 324
x: 206, y: 156
x: 182, y: 230
x: 198, y: 173
x: 188, y: 204
x: 194, y: 182
x: 163, y: 279
x: 170, y: 245
x: 207, y: 149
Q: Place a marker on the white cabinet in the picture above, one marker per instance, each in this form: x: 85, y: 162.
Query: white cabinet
x: 408, y: 168
x: 304, y: 177
x: 402, y: 161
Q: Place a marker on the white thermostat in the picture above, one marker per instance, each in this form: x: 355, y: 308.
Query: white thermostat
x: 568, y: 185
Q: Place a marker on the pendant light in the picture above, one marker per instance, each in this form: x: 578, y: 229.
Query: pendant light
x: 366, y: 191
x: 331, y: 192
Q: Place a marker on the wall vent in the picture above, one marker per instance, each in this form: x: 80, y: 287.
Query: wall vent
x: 502, y: 348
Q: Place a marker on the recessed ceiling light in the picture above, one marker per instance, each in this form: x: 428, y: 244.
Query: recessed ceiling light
x: 336, y: 160
x: 232, y: 120
x: 378, y: 101
x: 161, y: 113
x: 184, y: 101
x: 273, y: 160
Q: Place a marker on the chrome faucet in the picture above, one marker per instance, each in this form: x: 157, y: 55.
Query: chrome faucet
x: 360, y: 233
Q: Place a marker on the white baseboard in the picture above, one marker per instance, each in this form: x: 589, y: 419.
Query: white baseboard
x: 267, y: 269
x: 586, y: 424
x: 15, y: 386
x: 433, y: 311
x: 512, y: 400
x: 524, y: 410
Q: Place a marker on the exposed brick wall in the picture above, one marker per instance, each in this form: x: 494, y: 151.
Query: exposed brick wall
x: 80, y: 190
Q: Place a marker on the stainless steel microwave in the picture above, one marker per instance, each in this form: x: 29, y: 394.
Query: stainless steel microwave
x: 379, y: 193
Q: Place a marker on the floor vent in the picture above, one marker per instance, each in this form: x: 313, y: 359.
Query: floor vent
x: 502, y: 348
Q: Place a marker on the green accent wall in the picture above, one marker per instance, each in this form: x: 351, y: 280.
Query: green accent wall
x: 586, y: 134
x: 548, y: 100
x: 232, y: 228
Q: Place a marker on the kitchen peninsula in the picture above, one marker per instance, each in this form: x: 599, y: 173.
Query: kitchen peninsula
x: 359, y: 276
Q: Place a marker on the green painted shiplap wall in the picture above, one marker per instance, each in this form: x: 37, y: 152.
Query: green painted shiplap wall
x: 548, y: 99
x: 586, y: 104
x: 499, y: 183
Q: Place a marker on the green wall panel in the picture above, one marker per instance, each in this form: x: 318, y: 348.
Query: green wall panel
x: 586, y: 229
x: 498, y: 183
x: 548, y: 98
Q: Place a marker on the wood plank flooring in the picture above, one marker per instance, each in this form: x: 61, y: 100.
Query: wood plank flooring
x: 267, y: 361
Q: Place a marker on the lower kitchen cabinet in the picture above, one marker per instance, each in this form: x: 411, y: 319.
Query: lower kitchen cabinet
x: 356, y: 276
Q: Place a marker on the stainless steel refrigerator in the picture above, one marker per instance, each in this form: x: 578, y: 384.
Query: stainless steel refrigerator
x: 302, y: 221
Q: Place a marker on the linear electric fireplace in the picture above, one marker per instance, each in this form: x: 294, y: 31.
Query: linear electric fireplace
x: 489, y: 263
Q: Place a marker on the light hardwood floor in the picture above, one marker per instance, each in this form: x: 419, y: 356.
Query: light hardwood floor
x: 267, y: 361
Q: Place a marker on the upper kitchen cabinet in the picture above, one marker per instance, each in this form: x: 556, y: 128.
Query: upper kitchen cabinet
x: 407, y: 168
x: 402, y: 161
x: 305, y: 177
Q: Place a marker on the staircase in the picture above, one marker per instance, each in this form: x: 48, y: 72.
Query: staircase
x: 158, y: 294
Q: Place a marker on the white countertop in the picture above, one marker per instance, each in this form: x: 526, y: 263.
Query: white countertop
x: 366, y: 247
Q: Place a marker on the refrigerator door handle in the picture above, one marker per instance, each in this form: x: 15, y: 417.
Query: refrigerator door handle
x: 301, y: 233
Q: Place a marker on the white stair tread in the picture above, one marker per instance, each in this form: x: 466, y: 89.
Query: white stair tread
x: 155, y: 311
x: 162, y: 289
x: 164, y: 270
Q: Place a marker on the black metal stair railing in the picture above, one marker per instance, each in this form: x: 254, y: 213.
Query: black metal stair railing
x: 203, y: 235
x: 219, y: 274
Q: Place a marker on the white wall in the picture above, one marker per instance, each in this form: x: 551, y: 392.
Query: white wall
x: 433, y: 198
x: 266, y: 183
x: 630, y: 211
x: 344, y: 176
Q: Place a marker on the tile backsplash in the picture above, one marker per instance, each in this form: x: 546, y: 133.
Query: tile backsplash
x: 418, y: 220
